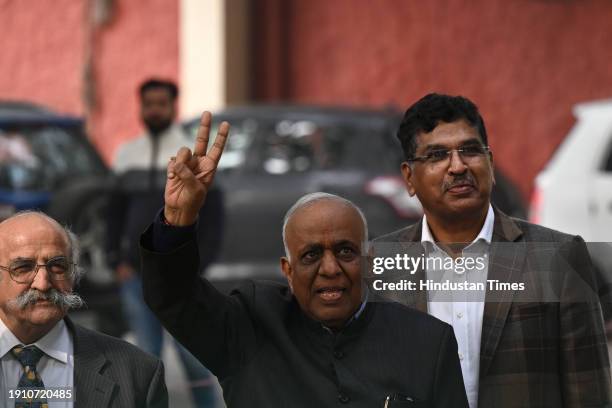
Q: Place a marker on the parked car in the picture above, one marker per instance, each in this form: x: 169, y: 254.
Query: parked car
x: 573, y: 193
x: 275, y: 154
x: 48, y: 164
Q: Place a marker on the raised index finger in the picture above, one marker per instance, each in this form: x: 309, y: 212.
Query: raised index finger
x: 217, y: 148
x: 201, y: 142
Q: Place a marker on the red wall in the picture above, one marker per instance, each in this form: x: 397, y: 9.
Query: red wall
x: 141, y: 41
x: 525, y: 63
x: 45, y: 45
x: 42, y: 47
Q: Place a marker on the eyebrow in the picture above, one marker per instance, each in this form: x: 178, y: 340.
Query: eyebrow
x: 468, y: 142
x: 345, y: 242
x: 310, y: 247
x: 319, y: 247
x: 24, y: 258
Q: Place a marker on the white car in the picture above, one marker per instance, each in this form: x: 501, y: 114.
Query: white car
x: 573, y: 193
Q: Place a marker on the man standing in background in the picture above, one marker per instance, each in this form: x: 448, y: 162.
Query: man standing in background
x: 137, y: 199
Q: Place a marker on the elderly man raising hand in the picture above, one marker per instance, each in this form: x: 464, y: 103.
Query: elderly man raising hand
x: 319, y: 341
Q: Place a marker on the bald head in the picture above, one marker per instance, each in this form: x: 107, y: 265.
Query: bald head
x: 28, y: 219
x: 31, y: 220
x: 309, y: 200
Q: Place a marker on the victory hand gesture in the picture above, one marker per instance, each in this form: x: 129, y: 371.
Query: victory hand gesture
x: 190, y: 176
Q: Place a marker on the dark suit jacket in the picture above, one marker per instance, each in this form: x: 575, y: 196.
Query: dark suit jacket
x: 267, y: 353
x: 110, y: 372
x: 544, y: 347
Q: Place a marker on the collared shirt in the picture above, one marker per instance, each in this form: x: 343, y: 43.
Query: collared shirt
x: 462, y: 309
x: 56, y: 366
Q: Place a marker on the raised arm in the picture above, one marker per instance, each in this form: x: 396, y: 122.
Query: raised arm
x: 214, y: 327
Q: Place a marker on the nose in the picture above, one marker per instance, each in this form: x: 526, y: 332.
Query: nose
x: 329, y: 266
x: 456, y: 165
x: 41, y: 281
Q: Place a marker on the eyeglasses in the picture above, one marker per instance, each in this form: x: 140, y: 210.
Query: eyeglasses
x: 468, y: 154
x: 25, y: 270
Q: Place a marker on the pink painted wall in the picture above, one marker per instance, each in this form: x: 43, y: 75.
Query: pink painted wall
x: 141, y: 41
x: 525, y: 63
x: 42, y: 46
x: 44, y: 53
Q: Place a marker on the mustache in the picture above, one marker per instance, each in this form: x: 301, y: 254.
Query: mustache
x: 65, y: 301
x: 466, y: 178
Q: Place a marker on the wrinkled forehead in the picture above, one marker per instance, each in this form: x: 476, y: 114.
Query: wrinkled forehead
x: 27, y: 232
x: 326, y: 220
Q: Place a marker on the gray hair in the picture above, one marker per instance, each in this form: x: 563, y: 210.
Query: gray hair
x: 312, y: 198
x: 73, y: 240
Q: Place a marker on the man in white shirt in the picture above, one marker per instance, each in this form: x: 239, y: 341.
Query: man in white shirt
x: 139, y: 165
x: 525, y: 312
x: 41, y: 350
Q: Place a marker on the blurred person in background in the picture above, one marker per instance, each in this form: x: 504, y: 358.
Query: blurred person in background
x: 534, y: 353
x: 40, y: 347
x: 139, y: 164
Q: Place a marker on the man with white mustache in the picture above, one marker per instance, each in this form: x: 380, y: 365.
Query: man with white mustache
x: 44, y: 356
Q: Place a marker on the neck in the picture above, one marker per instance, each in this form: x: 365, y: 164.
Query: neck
x: 457, y: 229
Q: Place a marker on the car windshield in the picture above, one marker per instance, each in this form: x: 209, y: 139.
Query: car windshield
x: 40, y: 157
x: 290, y: 146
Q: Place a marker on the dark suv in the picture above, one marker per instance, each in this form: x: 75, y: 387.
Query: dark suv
x: 47, y: 163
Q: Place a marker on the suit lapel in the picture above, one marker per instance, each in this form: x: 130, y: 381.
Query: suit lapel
x: 506, y: 260
x: 505, y: 264
x: 408, y: 241
x: 92, y: 389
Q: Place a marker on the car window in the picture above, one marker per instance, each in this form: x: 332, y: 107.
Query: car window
x: 294, y: 146
x: 42, y: 157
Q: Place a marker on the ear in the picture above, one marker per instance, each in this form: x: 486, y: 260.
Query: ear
x: 287, y: 271
x: 407, y: 176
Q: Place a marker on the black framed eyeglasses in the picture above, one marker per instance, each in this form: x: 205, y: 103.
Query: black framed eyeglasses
x: 467, y: 154
x: 25, y: 270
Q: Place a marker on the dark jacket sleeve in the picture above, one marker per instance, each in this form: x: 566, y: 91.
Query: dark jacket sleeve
x: 210, y: 227
x: 449, y: 390
x: 217, y: 329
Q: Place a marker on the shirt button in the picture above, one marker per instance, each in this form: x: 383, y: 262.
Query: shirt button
x: 459, y: 315
x: 343, y: 398
x: 461, y: 356
x: 338, y: 354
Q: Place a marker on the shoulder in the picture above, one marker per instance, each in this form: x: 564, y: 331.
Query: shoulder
x: 268, y: 301
x: 176, y: 134
x: 132, y: 144
x: 263, y: 292
x: 128, y: 150
x: 533, y: 232
x: 118, y: 351
x: 409, y: 233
